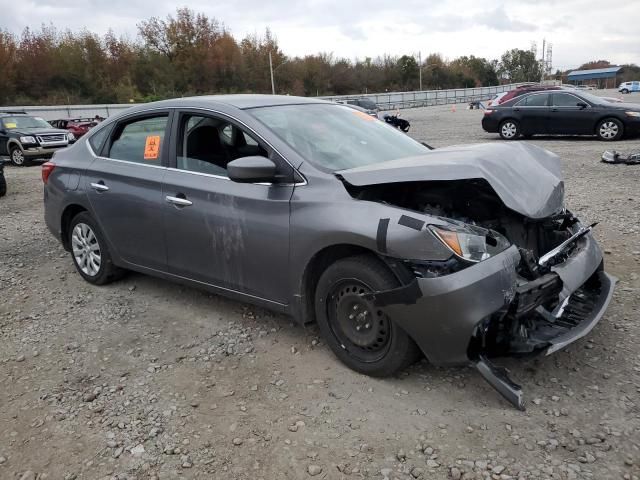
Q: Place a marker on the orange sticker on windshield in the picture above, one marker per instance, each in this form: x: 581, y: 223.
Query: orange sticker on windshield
x: 364, y: 116
x: 152, y: 147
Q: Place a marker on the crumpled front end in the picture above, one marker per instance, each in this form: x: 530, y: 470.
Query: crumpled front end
x: 518, y: 302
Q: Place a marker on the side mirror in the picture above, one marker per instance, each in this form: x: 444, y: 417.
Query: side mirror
x: 582, y: 105
x: 254, y: 169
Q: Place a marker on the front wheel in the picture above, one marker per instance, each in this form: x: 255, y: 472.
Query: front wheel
x: 361, y: 335
x: 624, y: 90
x: 90, y: 252
x: 509, y: 130
x: 17, y: 157
x: 610, y: 129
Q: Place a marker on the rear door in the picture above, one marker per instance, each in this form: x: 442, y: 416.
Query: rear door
x: 533, y: 113
x: 568, y: 118
x: 234, y: 236
x: 124, y: 185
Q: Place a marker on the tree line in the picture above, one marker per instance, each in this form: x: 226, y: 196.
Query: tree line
x: 191, y: 54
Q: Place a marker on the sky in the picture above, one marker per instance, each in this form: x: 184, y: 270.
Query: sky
x: 579, y: 30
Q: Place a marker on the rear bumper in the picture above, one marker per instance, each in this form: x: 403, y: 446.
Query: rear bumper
x: 444, y: 314
x: 489, y: 124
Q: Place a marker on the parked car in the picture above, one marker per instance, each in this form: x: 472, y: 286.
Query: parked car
x: 628, y: 87
x: 315, y: 210
x: 25, y: 138
x: 77, y: 126
x: 562, y: 113
x: 369, y: 105
x: 516, y: 92
x: 3, y: 180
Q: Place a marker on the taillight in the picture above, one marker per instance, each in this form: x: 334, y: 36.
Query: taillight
x: 47, y: 168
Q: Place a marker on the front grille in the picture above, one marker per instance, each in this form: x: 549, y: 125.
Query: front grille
x: 53, y: 138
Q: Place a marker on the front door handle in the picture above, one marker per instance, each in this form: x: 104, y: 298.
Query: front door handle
x: 100, y: 187
x: 179, y: 201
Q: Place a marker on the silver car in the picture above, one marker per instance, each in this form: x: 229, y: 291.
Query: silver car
x: 322, y: 212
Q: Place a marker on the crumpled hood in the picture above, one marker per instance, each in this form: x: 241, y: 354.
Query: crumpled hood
x: 528, y: 179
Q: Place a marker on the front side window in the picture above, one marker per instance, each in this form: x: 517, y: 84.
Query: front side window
x: 206, y: 144
x: 334, y: 137
x: 565, y: 100
x: 139, y: 141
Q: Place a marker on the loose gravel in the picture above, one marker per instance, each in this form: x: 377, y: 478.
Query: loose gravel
x: 146, y: 379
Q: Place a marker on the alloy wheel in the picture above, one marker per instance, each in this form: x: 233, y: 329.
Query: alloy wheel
x: 509, y: 130
x: 609, y: 130
x: 86, y: 249
x: 17, y: 157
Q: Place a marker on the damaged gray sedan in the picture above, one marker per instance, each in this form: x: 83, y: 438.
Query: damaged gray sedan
x: 319, y: 211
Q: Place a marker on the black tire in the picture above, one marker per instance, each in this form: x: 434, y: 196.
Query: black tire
x: 17, y: 157
x: 106, y: 271
x: 624, y: 90
x: 3, y: 182
x: 371, y: 343
x: 610, y: 129
x: 509, y: 129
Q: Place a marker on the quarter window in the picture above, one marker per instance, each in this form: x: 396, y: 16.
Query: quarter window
x: 139, y: 141
x: 97, y: 139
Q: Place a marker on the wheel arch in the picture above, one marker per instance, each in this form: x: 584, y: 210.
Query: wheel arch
x: 317, y: 264
x: 68, y: 214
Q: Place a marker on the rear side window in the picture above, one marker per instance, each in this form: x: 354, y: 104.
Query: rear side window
x: 537, y: 100
x: 139, y: 141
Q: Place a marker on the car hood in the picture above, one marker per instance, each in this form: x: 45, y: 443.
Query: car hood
x: 528, y: 179
x: 37, y: 131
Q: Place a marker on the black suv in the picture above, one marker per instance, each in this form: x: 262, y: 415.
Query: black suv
x: 24, y: 138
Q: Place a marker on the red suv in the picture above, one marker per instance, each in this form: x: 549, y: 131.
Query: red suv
x: 516, y: 92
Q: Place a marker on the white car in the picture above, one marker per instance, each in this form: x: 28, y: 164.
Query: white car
x: 628, y: 87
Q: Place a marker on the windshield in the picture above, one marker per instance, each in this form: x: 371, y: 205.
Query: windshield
x: 24, y: 122
x: 334, y: 137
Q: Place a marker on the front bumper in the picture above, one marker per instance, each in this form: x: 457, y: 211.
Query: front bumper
x: 442, y: 314
x: 40, y: 152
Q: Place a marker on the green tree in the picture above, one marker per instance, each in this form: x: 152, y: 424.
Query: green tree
x: 520, y: 66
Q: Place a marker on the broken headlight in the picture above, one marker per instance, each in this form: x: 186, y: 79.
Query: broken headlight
x: 470, y: 242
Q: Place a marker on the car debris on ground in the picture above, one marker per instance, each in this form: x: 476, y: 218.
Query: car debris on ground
x: 615, y: 157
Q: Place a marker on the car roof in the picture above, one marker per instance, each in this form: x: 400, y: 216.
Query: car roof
x: 241, y: 101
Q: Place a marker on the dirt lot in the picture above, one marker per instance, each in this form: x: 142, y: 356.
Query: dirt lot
x: 147, y: 379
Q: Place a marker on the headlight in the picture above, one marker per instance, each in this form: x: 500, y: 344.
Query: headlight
x: 71, y: 136
x: 470, y: 242
x: 27, y: 140
x: 632, y: 114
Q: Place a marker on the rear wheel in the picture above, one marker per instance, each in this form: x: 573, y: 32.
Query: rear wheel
x: 610, y: 129
x: 359, y: 333
x: 90, y: 252
x: 624, y: 90
x: 509, y: 130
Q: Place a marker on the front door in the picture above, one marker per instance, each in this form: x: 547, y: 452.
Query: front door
x: 234, y: 236
x: 569, y: 118
x: 124, y: 185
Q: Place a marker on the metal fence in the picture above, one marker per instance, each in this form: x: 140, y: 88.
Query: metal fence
x: 386, y: 101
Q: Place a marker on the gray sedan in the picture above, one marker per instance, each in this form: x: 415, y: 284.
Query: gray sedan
x: 322, y: 212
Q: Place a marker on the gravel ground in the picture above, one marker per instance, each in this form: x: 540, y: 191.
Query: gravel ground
x: 145, y: 379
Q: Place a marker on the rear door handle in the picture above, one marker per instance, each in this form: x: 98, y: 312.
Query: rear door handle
x: 100, y: 187
x: 179, y: 201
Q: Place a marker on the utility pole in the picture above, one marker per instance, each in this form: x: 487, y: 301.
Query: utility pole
x: 273, y: 86
x: 420, y: 68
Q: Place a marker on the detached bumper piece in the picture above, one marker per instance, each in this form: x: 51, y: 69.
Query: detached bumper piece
x: 498, y: 379
x: 615, y: 157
